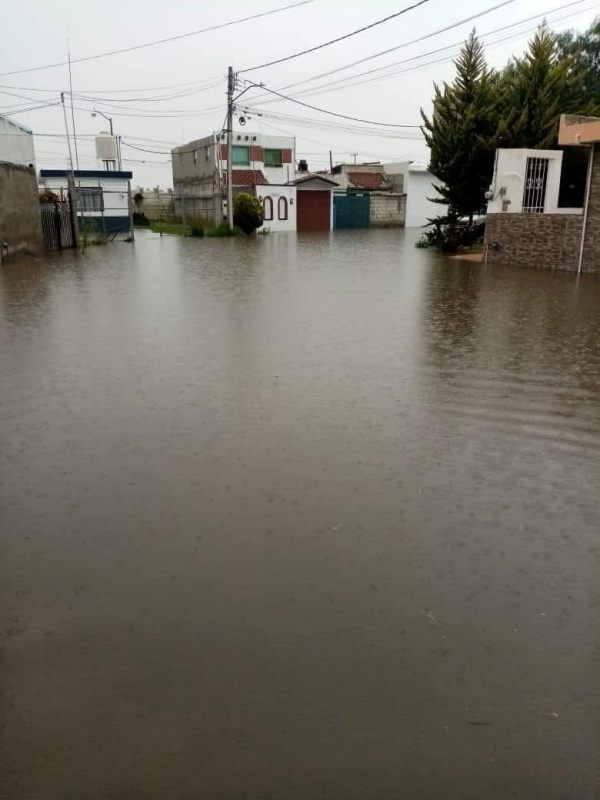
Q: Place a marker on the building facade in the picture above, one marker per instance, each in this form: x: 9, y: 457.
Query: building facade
x: 103, y: 196
x: 200, y: 176
x: 367, y: 196
x: 16, y: 143
x: 544, y: 208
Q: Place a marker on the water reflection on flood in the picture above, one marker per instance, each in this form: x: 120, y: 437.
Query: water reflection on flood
x: 298, y: 517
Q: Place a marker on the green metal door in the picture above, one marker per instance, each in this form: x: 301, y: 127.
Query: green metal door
x: 351, y: 211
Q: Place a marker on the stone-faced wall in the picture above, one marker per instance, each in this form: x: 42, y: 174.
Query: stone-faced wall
x: 591, y: 251
x: 534, y: 241
x: 20, y: 220
x: 387, y: 210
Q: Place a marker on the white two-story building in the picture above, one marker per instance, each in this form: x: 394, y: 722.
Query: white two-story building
x: 262, y: 165
x: 293, y: 199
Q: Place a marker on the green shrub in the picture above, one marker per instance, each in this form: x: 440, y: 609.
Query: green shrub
x: 248, y: 214
x: 221, y: 230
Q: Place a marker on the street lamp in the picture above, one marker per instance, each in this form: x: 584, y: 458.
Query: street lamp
x: 95, y: 112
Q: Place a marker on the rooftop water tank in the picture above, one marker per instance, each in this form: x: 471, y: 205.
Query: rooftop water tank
x: 106, y: 147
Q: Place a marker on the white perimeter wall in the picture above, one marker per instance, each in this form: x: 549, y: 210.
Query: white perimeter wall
x: 509, y: 175
x: 275, y: 192
x: 418, y: 207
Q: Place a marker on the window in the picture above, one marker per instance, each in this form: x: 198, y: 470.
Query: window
x: 273, y: 158
x: 282, y: 208
x: 536, y: 176
x: 195, y: 156
x: 268, y: 206
x: 91, y: 199
x: 207, y: 153
x: 240, y: 154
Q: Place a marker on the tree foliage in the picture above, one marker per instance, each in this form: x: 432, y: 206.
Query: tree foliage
x: 584, y: 48
x: 248, y: 214
x: 461, y: 131
x: 535, y: 90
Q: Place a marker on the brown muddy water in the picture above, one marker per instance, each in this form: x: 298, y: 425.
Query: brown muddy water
x: 298, y: 518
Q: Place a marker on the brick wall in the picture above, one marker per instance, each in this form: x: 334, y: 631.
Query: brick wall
x: 20, y: 220
x: 387, y: 210
x: 534, y: 241
x: 591, y: 252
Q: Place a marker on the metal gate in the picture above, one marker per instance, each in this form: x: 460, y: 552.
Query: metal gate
x: 351, y: 211
x: 57, y: 224
x: 313, y: 210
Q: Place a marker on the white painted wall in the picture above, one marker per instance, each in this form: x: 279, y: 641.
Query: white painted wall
x: 399, y: 168
x: 508, y: 183
x: 276, y: 175
x: 16, y: 143
x: 275, y: 192
x: 419, y: 209
x: 115, y: 193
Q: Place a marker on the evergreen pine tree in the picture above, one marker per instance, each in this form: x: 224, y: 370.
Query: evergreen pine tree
x: 536, y: 89
x: 461, y: 132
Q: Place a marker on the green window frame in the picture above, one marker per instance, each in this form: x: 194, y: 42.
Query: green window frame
x: 273, y: 158
x: 240, y: 154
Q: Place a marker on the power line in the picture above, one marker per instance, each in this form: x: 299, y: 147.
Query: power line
x: 348, y: 82
x: 450, y: 27
x: 161, y: 41
x: 335, y: 114
x: 339, y: 38
x: 327, y: 124
x: 199, y: 84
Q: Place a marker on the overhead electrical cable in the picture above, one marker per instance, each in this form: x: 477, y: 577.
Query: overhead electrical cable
x: 161, y: 41
x: 339, y: 38
x: 348, y: 81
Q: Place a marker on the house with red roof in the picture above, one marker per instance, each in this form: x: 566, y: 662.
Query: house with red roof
x: 367, y: 197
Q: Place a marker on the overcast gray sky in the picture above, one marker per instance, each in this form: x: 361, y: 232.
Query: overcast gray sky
x: 34, y: 33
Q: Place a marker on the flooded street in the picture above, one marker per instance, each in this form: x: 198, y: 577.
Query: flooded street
x: 296, y: 518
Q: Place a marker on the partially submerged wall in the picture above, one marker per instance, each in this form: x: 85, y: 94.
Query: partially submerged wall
x: 20, y: 221
x: 534, y: 241
x: 548, y: 241
x: 387, y: 210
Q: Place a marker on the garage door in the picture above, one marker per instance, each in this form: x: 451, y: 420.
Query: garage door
x: 313, y: 211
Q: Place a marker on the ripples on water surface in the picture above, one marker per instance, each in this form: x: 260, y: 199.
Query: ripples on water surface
x: 295, y: 518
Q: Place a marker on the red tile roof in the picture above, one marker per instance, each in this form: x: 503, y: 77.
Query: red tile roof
x: 248, y: 177
x: 366, y: 180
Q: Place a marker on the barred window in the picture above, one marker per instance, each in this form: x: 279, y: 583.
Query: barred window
x: 91, y: 199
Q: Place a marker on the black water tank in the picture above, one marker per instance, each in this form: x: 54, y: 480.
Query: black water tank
x: 302, y: 165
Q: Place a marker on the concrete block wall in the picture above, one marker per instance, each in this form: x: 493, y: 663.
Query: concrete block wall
x: 534, y: 241
x: 388, y: 210
x: 20, y: 219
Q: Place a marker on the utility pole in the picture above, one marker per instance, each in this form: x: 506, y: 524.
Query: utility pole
x: 230, y: 90
x: 331, y: 162
x: 355, y: 157
x: 73, y: 195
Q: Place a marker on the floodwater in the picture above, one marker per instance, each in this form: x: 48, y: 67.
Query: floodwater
x: 290, y: 518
